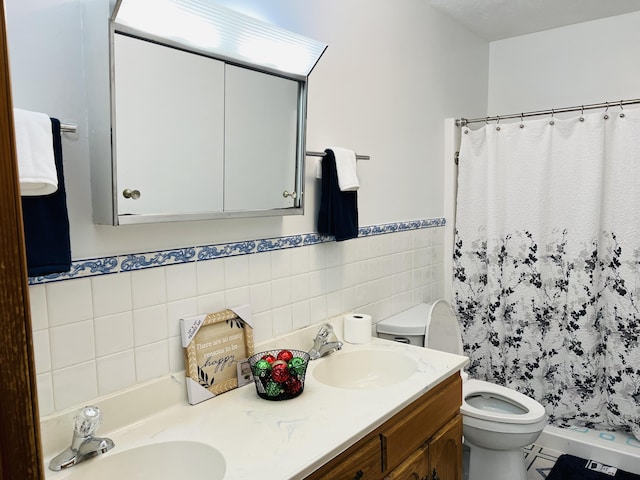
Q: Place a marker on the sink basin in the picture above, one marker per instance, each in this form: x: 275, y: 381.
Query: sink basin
x: 157, y: 461
x: 362, y: 369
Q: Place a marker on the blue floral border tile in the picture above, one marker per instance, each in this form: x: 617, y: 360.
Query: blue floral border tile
x: 210, y: 252
x: 80, y: 269
x: 140, y: 261
x: 157, y: 259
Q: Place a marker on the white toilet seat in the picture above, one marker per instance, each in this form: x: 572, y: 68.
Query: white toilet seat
x: 533, y: 411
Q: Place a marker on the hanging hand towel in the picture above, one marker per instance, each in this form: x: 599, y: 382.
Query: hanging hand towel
x: 46, y: 222
x: 346, y: 168
x: 34, y: 148
x: 338, y: 214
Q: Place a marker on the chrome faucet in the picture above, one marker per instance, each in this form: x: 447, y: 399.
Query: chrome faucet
x: 321, y: 344
x: 83, y: 444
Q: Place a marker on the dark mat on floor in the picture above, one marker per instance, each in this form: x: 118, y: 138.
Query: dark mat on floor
x: 568, y: 467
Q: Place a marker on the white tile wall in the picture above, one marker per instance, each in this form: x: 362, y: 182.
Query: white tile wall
x: 181, y: 281
x: 113, y: 333
x: 71, y: 344
x: 69, y: 302
x: 210, y: 275
x: 150, y: 325
x: 111, y: 294
x: 148, y: 287
x: 236, y: 271
x: 115, y: 372
x: 95, y: 336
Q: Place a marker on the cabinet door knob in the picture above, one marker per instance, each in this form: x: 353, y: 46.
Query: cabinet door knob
x: 286, y: 194
x: 359, y: 475
x: 132, y: 194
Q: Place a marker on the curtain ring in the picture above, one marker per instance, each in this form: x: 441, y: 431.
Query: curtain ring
x: 486, y: 121
x: 621, y: 108
x: 521, y: 120
x: 552, y: 122
x: 606, y: 116
x: 498, y: 123
x: 582, y: 113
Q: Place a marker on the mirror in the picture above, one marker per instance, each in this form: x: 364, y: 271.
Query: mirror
x: 198, y: 133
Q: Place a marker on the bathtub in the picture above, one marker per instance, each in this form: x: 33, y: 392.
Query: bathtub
x: 618, y: 449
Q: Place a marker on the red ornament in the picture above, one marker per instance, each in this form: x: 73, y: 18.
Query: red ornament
x: 293, y: 386
x: 285, y: 355
x: 269, y: 358
x: 280, y: 372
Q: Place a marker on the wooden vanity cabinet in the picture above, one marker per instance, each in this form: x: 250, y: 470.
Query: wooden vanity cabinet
x: 416, y: 467
x: 445, y: 452
x: 421, y: 442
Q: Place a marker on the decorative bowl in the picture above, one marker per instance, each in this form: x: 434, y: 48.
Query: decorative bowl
x: 279, y: 374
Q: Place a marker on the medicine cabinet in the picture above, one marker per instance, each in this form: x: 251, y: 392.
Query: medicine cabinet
x: 208, y: 113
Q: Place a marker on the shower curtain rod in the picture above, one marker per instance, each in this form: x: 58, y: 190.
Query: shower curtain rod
x: 461, y: 122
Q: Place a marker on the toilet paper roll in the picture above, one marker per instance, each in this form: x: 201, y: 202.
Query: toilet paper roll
x: 357, y: 328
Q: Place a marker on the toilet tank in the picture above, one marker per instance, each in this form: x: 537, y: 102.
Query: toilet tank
x: 432, y: 325
x: 406, y: 327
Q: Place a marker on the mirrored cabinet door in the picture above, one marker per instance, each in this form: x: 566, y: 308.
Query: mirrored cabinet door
x: 169, y: 129
x: 260, y: 140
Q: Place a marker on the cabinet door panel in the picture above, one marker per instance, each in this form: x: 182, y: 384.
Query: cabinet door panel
x: 425, y: 418
x: 169, y: 142
x: 260, y: 140
x: 416, y: 467
x: 445, y: 452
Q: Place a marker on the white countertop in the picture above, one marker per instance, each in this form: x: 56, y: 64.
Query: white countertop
x: 285, y: 439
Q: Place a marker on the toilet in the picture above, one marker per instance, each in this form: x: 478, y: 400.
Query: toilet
x: 497, y: 421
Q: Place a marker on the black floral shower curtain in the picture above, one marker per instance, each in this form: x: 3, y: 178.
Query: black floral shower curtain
x: 547, y: 263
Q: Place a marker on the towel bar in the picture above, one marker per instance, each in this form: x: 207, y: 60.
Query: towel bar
x: 68, y: 128
x: 322, y: 154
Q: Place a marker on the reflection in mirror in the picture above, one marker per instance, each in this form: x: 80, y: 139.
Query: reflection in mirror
x: 202, y: 132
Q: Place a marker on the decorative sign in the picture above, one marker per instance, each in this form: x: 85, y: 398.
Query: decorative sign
x: 213, y: 345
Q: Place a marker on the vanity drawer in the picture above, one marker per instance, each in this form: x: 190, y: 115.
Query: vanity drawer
x: 361, y: 461
x: 420, y: 420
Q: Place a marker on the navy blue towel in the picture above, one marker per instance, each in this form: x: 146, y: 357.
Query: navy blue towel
x: 338, y: 214
x: 46, y: 223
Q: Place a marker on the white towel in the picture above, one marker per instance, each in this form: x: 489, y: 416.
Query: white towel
x: 345, y: 168
x: 34, y: 147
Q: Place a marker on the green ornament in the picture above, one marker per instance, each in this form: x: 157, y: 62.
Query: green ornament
x: 273, y: 389
x: 261, y: 368
x: 297, y: 366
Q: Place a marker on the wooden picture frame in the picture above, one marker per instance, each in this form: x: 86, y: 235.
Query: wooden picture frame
x: 213, y: 345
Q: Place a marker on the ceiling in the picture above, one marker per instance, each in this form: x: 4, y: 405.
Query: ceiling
x: 499, y: 19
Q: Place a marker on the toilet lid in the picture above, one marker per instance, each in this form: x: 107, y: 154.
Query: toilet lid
x: 443, y: 331
x: 532, y: 411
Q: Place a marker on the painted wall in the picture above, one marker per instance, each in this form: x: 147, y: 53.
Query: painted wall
x: 388, y: 78
x: 392, y: 73
x: 591, y: 62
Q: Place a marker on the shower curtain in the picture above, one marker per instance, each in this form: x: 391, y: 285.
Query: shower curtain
x: 547, y: 263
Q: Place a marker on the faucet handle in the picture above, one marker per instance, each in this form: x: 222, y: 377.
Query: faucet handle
x: 325, y: 330
x: 87, y: 420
